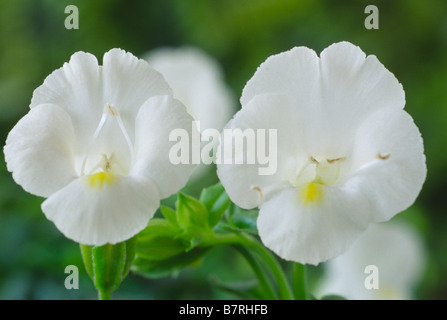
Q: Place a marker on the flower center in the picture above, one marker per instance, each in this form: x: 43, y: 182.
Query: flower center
x: 97, y: 180
x: 104, y: 157
x: 311, y: 193
x: 324, y: 171
x: 313, y: 175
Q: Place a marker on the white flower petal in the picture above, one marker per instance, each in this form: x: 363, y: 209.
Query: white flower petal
x: 334, y: 93
x: 294, y: 73
x: 313, y: 232
x: 156, y: 119
x: 353, y: 87
x: 83, y: 89
x: 336, y: 82
x: 197, y: 81
x: 129, y: 82
x: 357, y: 84
x: 110, y: 214
x: 390, y: 156
x: 297, y: 74
x: 76, y: 87
x: 39, y: 150
x: 243, y: 182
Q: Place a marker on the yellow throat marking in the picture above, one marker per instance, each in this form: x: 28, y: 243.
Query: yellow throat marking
x: 311, y: 193
x: 96, y: 181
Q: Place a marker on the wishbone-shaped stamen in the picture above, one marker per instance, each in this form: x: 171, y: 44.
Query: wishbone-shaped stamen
x: 118, y: 118
x: 95, y: 136
x: 109, y: 110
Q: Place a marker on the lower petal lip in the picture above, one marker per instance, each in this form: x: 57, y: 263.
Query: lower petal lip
x: 94, y: 214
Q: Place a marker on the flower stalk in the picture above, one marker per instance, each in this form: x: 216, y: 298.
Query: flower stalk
x: 299, y: 281
x: 263, y: 254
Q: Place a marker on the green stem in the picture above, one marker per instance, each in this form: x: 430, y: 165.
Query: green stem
x: 299, y: 281
x: 285, y: 291
x: 104, y: 295
x: 264, y: 281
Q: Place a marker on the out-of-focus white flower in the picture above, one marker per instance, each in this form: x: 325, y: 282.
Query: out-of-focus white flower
x: 348, y: 154
x: 95, y: 143
x: 197, y: 81
x: 395, y: 248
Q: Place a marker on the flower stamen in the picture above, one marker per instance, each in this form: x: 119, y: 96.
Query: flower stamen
x: 259, y: 190
x: 109, y: 110
x: 108, y: 161
x: 383, y: 157
x: 312, y: 159
x: 336, y: 160
x: 116, y: 114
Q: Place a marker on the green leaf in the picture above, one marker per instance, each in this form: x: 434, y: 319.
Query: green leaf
x: 170, y: 215
x: 242, y: 220
x: 159, y: 241
x: 216, y: 200
x: 157, y: 269
x: 194, y: 242
x: 192, y: 216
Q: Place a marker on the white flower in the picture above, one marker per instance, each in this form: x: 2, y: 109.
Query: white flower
x: 348, y: 154
x: 395, y: 248
x: 197, y: 81
x: 95, y: 143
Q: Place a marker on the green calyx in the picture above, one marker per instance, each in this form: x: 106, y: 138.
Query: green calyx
x: 108, y: 265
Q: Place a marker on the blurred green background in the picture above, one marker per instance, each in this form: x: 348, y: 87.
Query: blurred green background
x: 240, y: 34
